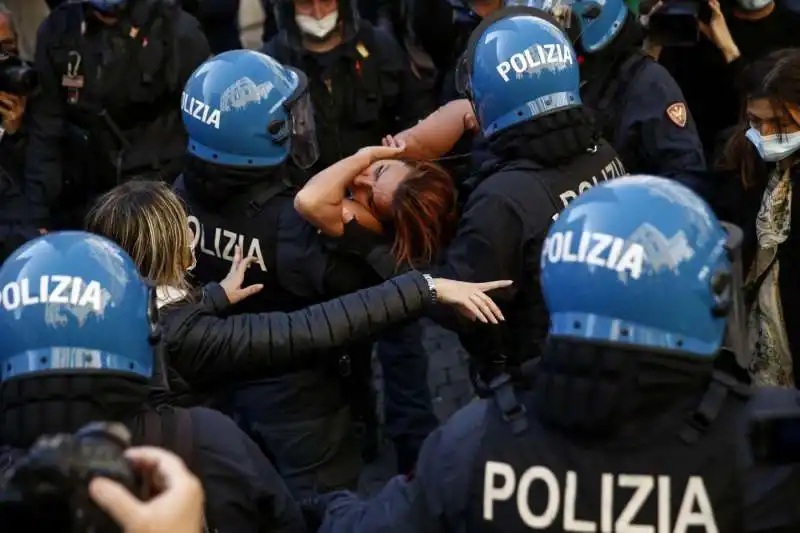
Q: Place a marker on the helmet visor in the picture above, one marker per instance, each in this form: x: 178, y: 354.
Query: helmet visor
x: 462, y: 76
x: 304, y: 146
x: 305, y: 149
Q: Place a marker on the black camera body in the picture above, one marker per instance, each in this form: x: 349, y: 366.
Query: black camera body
x: 47, y: 488
x: 674, y: 23
x: 17, y: 77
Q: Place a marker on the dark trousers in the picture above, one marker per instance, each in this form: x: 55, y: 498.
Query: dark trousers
x: 407, y: 397
x: 302, y: 423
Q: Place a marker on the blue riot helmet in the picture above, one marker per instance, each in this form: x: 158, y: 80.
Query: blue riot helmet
x: 519, y: 65
x: 591, y: 23
x: 244, y: 109
x: 642, y: 261
x: 74, y: 301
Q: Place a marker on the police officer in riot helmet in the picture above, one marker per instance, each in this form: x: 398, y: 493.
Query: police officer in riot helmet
x: 111, y: 71
x: 81, y: 343
x: 633, y: 417
x: 638, y: 105
x: 360, y: 81
x: 251, y: 132
x: 521, y: 73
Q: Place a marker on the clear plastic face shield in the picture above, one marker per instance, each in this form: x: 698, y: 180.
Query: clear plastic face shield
x: 730, y: 293
x: 462, y: 76
x: 303, y: 133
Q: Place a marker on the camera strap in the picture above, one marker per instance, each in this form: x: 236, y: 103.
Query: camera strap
x: 171, y: 428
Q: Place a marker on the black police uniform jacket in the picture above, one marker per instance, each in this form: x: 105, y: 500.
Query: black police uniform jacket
x: 212, y: 351
x: 106, y: 109
x: 606, y: 445
x: 501, y: 232
x: 244, y: 493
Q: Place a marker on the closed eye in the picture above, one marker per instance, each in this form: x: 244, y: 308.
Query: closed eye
x: 379, y: 172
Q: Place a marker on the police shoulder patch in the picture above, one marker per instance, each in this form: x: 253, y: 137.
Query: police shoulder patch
x: 677, y: 114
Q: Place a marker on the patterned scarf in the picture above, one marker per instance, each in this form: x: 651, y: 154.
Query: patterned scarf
x: 772, y: 364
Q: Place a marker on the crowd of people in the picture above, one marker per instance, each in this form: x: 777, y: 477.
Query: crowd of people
x: 207, y: 244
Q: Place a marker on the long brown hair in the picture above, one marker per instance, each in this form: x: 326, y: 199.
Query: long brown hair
x: 147, y: 220
x: 423, y: 213
x: 775, y: 77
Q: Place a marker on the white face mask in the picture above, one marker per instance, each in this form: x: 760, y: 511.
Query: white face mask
x: 774, y: 148
x: 317, y: 28
x: 753, y: 5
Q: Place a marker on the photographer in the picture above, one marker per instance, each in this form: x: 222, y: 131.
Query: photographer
x: 15, y: 80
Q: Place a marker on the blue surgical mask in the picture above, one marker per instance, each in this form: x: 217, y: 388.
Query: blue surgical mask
x: 774, y: 148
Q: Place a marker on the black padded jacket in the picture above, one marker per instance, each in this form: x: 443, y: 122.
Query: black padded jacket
x: 210, y: 350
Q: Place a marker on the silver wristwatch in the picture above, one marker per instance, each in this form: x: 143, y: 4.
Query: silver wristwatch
x: 431, y: 288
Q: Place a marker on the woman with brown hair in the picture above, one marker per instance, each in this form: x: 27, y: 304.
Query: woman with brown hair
x: 211, y: 350
x: 412, y: 201
x: 764, y: 153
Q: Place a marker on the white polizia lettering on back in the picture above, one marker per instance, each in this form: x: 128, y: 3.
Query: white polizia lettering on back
x: 200, y: 110
x: 595, y: 249
x: 538, y: 56
x: 695, y: 512
x: 53, y: 289
x: 611, y: 171
x: 221, y: 243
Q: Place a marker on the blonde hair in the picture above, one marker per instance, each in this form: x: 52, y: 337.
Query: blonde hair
x: 150, y: 223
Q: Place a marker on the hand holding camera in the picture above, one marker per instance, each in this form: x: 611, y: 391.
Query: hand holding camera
x: 177, y: 506
x: 93, y: 481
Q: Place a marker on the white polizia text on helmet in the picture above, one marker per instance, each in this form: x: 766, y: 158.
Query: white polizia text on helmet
x: 536, y: 57
x: 53, y: 289
x: 595, y: 249
x: 200, y: 110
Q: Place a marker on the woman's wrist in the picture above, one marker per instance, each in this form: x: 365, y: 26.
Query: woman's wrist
x: 364, y: 158
x: 214, y: 293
